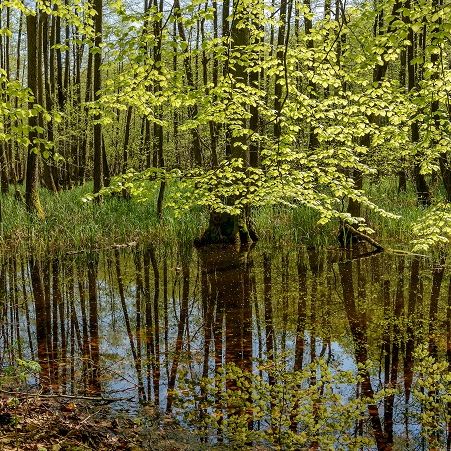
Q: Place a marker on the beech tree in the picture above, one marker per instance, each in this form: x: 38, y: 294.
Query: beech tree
x: 31, y: 185
x: 231, y: 105
x: 97, y: 60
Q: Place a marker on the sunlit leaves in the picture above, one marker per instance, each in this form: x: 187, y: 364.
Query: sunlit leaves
x: 433, y: 230
x: 292, y: 410
x: 432, y: 390
x: 327, y: 89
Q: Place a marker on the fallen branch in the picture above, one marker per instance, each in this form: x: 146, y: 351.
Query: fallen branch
x: 407, y: 253
x: 362, y: 236
x: 57, y: 395
x: 105, y: 248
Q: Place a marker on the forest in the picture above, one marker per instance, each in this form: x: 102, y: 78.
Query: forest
x: 229, y: 109
x: 225, y: 225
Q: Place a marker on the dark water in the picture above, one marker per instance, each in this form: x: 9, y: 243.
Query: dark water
x: 294, y: 349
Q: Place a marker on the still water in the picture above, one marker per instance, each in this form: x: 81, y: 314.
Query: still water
x: 288, y: 349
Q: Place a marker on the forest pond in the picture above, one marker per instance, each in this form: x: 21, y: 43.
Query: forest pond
x: 287, y: 349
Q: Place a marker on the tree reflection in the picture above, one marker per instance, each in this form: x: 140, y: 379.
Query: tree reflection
x: 144, y: 320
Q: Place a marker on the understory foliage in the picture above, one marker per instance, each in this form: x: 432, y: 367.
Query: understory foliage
x: 310, y: 105
x: 18, y: 375
x: 432, y: 392
x: 433, y: 230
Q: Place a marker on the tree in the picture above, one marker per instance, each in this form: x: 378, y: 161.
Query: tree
x: 233, y: 107
x: 31, y: 185
x: 98, y: 167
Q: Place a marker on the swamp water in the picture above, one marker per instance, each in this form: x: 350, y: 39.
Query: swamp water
x: 294, y: 349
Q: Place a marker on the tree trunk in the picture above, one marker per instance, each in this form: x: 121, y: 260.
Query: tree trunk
x: 224, y: 227
x: 98, y: 148
x: 423, y: 194
x: 4, y: 64
x: 85, y: 142
x: 308, y: 25
x: 32, y: 200
x: 280, y: 60
x: 402, y: 175
x: 196, y: 150
x: 45, y: 88
x: 443, y: 159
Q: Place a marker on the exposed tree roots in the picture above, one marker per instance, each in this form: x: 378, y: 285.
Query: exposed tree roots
x: 224, y: 228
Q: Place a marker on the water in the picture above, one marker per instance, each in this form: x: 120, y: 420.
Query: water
x: 319, y: 348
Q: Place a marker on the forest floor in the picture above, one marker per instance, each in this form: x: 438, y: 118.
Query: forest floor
x: 33, y: 423
x: 72, y: 225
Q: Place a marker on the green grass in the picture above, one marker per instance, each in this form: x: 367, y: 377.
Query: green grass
x: 73, y: 225
x: 279, y: 226
x: 384, y: 193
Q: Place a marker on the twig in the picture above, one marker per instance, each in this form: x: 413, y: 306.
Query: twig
x: 104, y: 248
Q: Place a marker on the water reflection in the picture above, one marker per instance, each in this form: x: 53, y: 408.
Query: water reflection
x: 144, y: 321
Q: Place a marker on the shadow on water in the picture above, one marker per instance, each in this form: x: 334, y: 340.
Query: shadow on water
x: 293, y: 349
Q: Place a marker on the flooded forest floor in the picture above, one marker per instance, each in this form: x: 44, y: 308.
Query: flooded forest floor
x: 117, y: 334
x: 72, y: 225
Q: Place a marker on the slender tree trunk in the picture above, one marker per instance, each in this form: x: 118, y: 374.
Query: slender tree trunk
x: 281, y: 61
x: 32, y: 200
x: 126, y: 140
x: 196, y: 149
x: 98, y: 174
x: 444, y: 163
x: 402, y: 174
x: 422, y: 188
x: 158, y: 128
x: 211, y: 124
x: 4, y: 64
x: 44, y: 92
x: 312, y: 89
x: 85, y: 140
